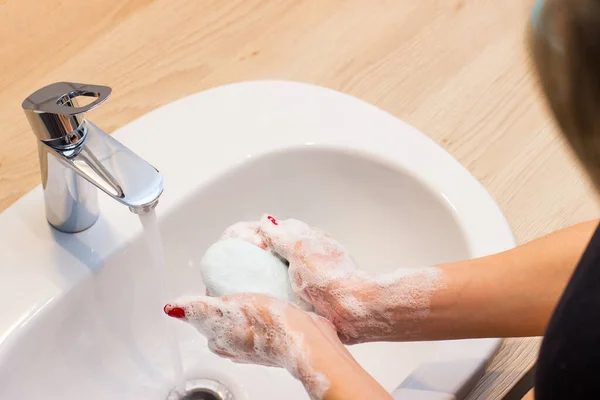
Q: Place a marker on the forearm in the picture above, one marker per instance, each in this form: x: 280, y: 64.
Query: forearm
x: 325, y: 366
x: 345, y: 378
x: 508, y: 294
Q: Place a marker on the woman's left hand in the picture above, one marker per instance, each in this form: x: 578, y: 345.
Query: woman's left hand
x: 258, y: 329
x: 252, y: 328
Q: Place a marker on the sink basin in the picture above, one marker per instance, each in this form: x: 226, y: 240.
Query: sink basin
x: 81, y: 317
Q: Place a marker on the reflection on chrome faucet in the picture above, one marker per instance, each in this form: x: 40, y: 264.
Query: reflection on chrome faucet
x: 76, y: 157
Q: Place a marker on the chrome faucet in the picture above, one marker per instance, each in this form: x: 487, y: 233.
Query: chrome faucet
x: 76, y: 157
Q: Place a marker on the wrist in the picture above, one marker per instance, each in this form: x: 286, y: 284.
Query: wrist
x: 345, y: 378
x: 323, y: 364
x: 395, y: 305
x: 334, y: 374
x: 314, y: 351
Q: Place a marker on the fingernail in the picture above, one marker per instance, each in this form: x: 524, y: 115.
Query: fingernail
x: 175, y: 312
x: 273, y: 220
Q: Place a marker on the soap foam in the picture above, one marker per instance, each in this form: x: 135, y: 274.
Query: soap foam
x: 246, y: 231
x: 362, y: 306
x: 247, y: 330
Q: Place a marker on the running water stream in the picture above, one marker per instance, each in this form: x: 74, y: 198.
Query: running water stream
x: 155, y: 249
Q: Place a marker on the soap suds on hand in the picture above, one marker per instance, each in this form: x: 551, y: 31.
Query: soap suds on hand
x: 322, y: 276
x: 362, y: 306
x: 254, y: 257
x: 246, y: 231
x: 250, y: 329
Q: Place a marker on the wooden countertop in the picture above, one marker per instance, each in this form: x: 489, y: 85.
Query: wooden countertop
x: 455, y: 69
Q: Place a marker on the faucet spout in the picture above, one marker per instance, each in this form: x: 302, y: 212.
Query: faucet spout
x: 76, y: 157
x: 113, y: 168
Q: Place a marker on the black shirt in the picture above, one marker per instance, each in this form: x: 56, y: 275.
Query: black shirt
x: 569, y: 363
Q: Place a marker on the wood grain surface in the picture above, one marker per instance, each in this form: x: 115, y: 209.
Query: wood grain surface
x: 458, y: 70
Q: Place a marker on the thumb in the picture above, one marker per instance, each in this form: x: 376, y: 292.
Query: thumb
x: 285, y: 236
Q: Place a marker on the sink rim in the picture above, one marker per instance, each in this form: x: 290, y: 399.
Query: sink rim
x: 322, y: 117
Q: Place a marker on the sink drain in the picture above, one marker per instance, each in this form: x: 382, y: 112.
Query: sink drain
x: 200, y: 389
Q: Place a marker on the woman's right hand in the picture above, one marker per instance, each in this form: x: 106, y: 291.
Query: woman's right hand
x: 362, y: 306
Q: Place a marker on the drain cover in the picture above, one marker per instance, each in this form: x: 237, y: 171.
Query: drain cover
x: 200, y: 389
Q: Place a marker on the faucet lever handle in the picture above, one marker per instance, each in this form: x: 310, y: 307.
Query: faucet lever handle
x: 61, y: 98
x: 54, y: 111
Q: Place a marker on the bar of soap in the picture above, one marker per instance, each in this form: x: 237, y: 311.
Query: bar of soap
x: 236, y: 266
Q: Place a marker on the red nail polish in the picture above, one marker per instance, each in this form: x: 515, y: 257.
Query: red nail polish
x: 273, y: 220
x: 175, y: 312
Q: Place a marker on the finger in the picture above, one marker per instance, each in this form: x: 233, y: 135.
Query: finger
x: 197, y: 309
x: 283, y: 236
x: 223, y: 354
x: 347, y: 340
x: 246, y: 231
x: 260, y: 320
x: 213, y: 347
x: 241, y: 229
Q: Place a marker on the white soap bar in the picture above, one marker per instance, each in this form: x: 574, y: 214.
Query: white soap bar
x: 236, y: 266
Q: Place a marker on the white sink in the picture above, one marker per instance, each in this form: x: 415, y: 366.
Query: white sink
x: 80, y: 315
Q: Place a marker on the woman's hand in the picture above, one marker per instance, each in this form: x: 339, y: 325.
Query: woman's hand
x: 362, y: 306
x: 251, y: 328
x: 246, y: 231
x: 258, y: 329
x: 512, y: 293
